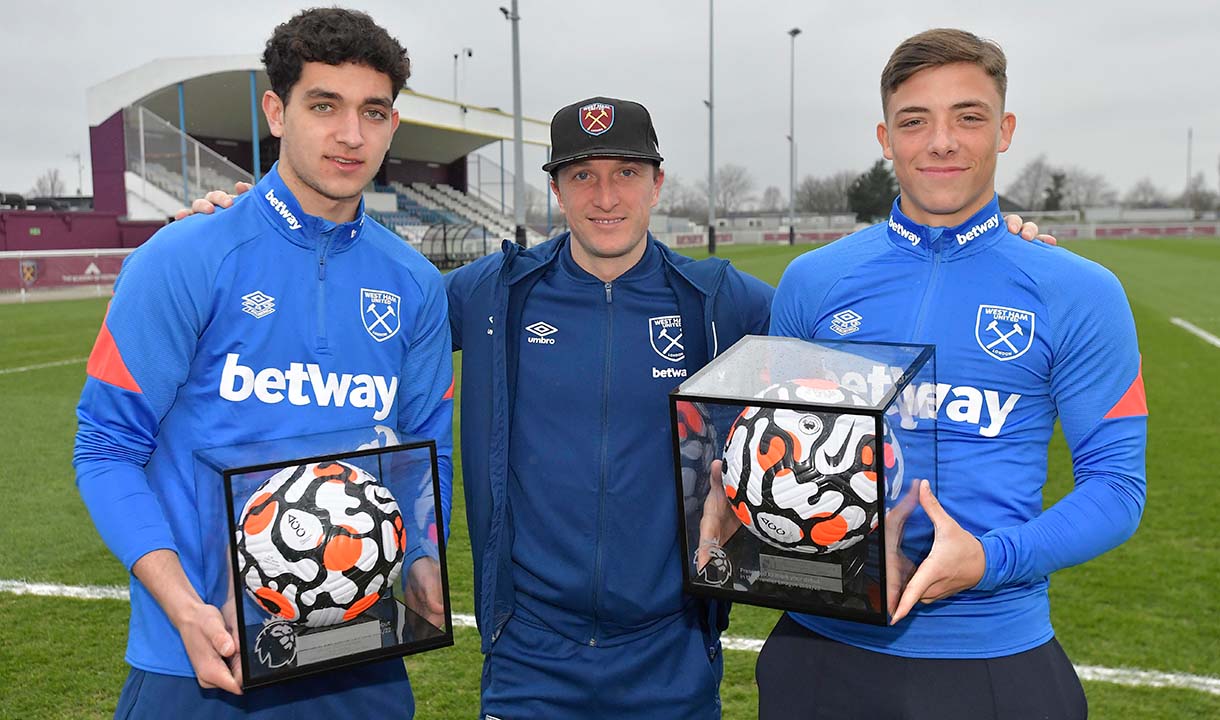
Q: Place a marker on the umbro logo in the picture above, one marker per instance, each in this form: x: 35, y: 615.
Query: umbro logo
x: 540, y: 333
x: 258, y: 304
x: 845, y: 322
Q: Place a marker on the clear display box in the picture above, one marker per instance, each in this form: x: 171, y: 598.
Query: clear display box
x: 325, y: 551
x: 797, y: 470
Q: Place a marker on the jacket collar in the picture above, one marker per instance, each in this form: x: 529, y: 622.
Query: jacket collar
x: 519, y: 263
x: 277, y: 203
x: 982, y: 228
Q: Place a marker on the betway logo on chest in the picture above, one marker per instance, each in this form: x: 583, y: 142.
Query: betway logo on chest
x: 898, y: 228
x: 282, y: 208
x: 990, y: 223
x: 986, y: 409
x: 305, y: 384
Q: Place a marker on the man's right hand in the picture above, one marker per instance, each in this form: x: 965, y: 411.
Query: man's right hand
x: 210, y: 640
x: 207, y: 204
x: 211, y: 646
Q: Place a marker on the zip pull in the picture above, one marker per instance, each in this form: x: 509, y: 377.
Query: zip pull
x: 322, y: 268
x: 609, y: 297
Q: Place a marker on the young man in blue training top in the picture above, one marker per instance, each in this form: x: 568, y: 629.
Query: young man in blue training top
x: 1024, y: 334
x: 213, y: 324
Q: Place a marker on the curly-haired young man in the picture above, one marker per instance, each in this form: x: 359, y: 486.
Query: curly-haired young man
x: 177, y: 342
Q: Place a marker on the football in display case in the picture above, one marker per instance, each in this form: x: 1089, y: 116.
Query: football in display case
x: 797, y: 471
x: 316, y: 541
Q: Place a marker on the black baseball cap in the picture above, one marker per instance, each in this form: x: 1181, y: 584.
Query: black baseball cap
x: 602, y: 127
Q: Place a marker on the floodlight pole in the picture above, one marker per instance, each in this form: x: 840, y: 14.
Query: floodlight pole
x: 518, y: 151
x: 792, y: 140
x: 80, y: 172
x: 464, y: 52
x: 1189, y: 139
x: 711, y: 130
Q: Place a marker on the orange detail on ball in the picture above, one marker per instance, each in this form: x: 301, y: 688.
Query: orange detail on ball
x: 342, y: 551
x: 275, y: 603
x: 691, y: 417
x: 330, y: 470
x: 771, y: 454
x: 360, y: 606
x: 817, y: 383
x: 828, y: 531
x: 866, y: 455
x: 889, y: 455
x: 743, y: 514
x: 258, y: 520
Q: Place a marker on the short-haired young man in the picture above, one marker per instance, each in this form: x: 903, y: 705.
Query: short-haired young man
x: 1024, y: 334
x: 276, y: 284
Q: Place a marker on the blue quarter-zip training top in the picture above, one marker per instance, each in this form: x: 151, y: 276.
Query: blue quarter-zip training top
x: 254, y: 323
x: 1025, y: 334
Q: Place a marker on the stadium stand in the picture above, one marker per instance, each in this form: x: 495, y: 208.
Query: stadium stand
x: 168, y: 131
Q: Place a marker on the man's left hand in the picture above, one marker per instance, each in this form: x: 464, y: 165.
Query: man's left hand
x: 955, y: 563
x: 424, y: 593
x: 1027, y: 230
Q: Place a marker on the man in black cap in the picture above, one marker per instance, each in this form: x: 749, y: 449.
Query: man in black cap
x: 570, y: 349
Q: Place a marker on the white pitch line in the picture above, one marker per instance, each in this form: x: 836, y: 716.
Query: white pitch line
x: 40, y: 366
x: 1197, y: 331
x: 1117, y: 676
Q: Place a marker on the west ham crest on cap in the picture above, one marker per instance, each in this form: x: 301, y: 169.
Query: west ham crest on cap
x: 596, y: 118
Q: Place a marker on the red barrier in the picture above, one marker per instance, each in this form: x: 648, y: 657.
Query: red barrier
x: 32, y: 271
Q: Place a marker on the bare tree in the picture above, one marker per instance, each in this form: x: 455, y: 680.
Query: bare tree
x: 1029, y: 189
x: 1145, y: 194
x: 733, y: 188
x: 1082, y: 189
x: 825, y: 195
x: 679, y: 199
x: 49, y: 184
x: 1198, y: 196
x: 772, y: 200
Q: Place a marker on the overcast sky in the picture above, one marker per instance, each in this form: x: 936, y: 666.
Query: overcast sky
x: 1109, y: 87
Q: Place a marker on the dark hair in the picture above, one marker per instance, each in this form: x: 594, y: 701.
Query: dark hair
x: 942, y: 46
x: 333, y: 36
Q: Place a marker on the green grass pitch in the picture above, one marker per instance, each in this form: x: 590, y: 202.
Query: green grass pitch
x: 1151, y: 604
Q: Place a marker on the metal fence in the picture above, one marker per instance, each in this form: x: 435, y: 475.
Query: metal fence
x: 167, y: 158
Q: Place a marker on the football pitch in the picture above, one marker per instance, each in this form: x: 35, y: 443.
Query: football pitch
x: 1139, y: 622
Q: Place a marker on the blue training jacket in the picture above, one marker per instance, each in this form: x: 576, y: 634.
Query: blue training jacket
x: 717, y: 306
x: 1025, y: 333
x: 254, y: 323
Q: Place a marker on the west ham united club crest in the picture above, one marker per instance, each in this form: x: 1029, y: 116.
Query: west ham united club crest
x: 1004, y: 333
x: 666, y: 335
x: 29, y: 271
x: 380, y: 312
x: 596, y: 118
